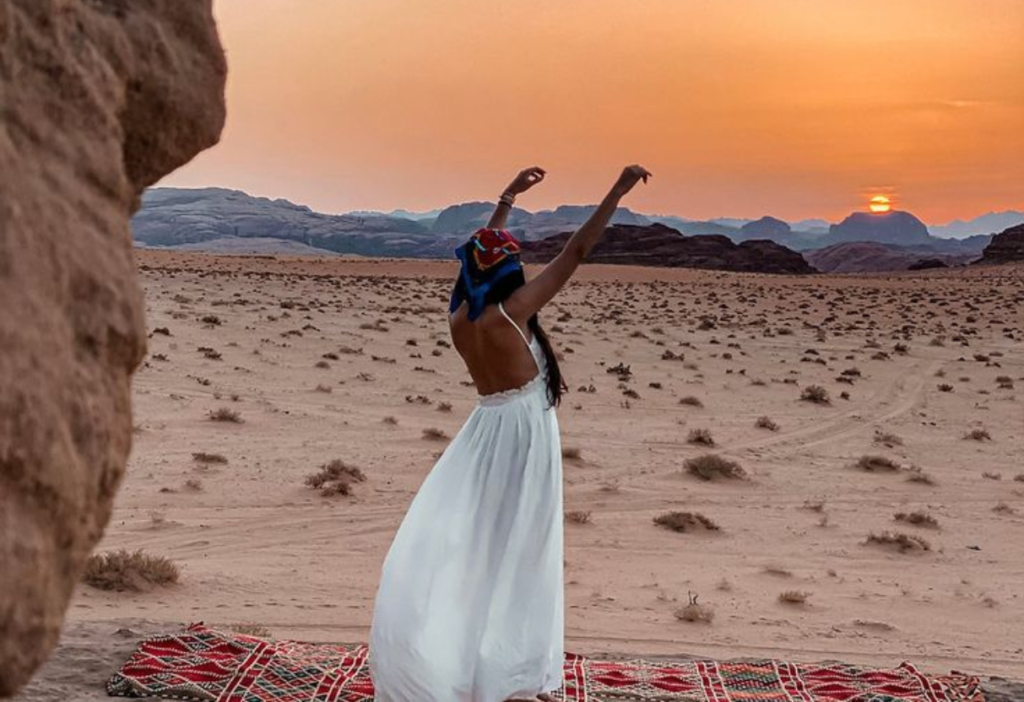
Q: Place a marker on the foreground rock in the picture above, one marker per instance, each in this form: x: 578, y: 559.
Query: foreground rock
x: 1006, y: 247
x: 100, y: 100
x: 658, y: 245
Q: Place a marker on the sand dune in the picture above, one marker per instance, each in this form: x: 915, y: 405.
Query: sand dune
x: 315, y: 355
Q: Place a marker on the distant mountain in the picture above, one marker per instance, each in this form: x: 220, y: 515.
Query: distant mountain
x: 1006, y: 247
x: 766, y: 228
x: 900, y: 228
x: 874, y: 257
x: 210, y: 218
x: 218, y: 219
x: 810, y: 225
x: 985, y: 224
x: 659, y: 245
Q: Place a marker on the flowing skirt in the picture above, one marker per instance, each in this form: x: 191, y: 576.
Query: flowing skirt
x: 470, y: 605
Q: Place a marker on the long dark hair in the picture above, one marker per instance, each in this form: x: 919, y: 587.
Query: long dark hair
x: 501, y: 291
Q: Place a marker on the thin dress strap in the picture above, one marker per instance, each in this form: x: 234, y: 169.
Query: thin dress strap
x: 529, y: 346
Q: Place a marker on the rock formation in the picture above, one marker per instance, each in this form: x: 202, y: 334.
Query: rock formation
x: 99, y: 100
x: 1005, y: 247
x: 900, y: 228
x: 658, y: 245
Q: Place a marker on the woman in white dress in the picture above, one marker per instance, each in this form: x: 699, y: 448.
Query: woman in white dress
x: 470, y: 603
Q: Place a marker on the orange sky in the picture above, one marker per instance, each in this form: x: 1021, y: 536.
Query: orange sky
x: 795, y: 108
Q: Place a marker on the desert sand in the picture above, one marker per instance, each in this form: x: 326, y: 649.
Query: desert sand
x: 326, y: 359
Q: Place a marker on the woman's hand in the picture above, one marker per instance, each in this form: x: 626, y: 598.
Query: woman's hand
x: 631, y: 175
x: 526, y: 180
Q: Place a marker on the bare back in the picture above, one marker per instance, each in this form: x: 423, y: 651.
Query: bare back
x: 492, y: 349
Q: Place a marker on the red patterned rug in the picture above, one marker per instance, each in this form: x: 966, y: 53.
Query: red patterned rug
x: 204, y: 664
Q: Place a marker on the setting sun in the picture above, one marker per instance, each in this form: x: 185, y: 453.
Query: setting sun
x: 879, y: 203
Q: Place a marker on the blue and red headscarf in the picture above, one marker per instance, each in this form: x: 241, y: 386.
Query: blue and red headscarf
x: 488, y: 256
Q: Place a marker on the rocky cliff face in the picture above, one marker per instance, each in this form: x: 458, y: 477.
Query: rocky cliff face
x: 1005, y: 247
x: 100, y: 99
x: 658, y: 245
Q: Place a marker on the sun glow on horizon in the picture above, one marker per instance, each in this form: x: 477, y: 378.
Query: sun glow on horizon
x: 880, y: 204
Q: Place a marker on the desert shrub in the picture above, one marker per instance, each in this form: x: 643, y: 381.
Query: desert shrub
x: 203, y: 457
x: 434, y: 434
x: 815, y: 394
x: 390, y: 420
x: 711, y: 466
x: 978, y: 435
x: 877, y: 464
x: 793, y: 597
x: 917, y: 475
x: 194, y: 484
x: 887, y: 439
x: 225, y: 414
x: 691, y: 401
x: 695, y: 613
x: 945, y: 387
x: 700, y: 437
x: 685, y: 521
x: 444, y: 407
x: 578, y: 517
x: 571, y: 453
x: 135, y: 571
x: 335, y: 478
x: 904, y: 543
x: 766, y: 423
x: 917, y: 518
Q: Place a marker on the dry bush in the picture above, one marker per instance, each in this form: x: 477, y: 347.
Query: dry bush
x: 225, y: 414
x: 203, y: 457
x: 434, y: 434
x: 685, y: 521
x: 700, y: 437
x: 711, y: 466
x: 578, y: 517
x: 766, y: 423
x: 335, y: 478
x: 444, y: 407
x: 571, y: 453
x: 194, y: 485
x: 695, y: 613
x: 793, y: 597
x: 887, y: 439
x: 945, y: 387
x: 390, y: 420
x: 1003, y: 508
x: 917, y: 475
x: 816, y: 394
x: 904, y: 543
x: 135, y: 571
x: 877, y: 464
x: 989, y: 475
x: 324, y: 388
x: 917, y: 518
x: 978, y: 435
x: 777, y: 571
x: 691, y: 401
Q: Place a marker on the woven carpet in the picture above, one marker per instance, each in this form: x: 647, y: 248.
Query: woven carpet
x: 203, y: 664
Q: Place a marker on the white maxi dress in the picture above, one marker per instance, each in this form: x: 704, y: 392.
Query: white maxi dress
x: 470, y: 604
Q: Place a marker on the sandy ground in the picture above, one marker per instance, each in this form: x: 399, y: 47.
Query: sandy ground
x: 313, y: 355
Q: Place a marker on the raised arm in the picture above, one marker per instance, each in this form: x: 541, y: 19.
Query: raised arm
x: 522, y: 182
x: 529, y: 299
